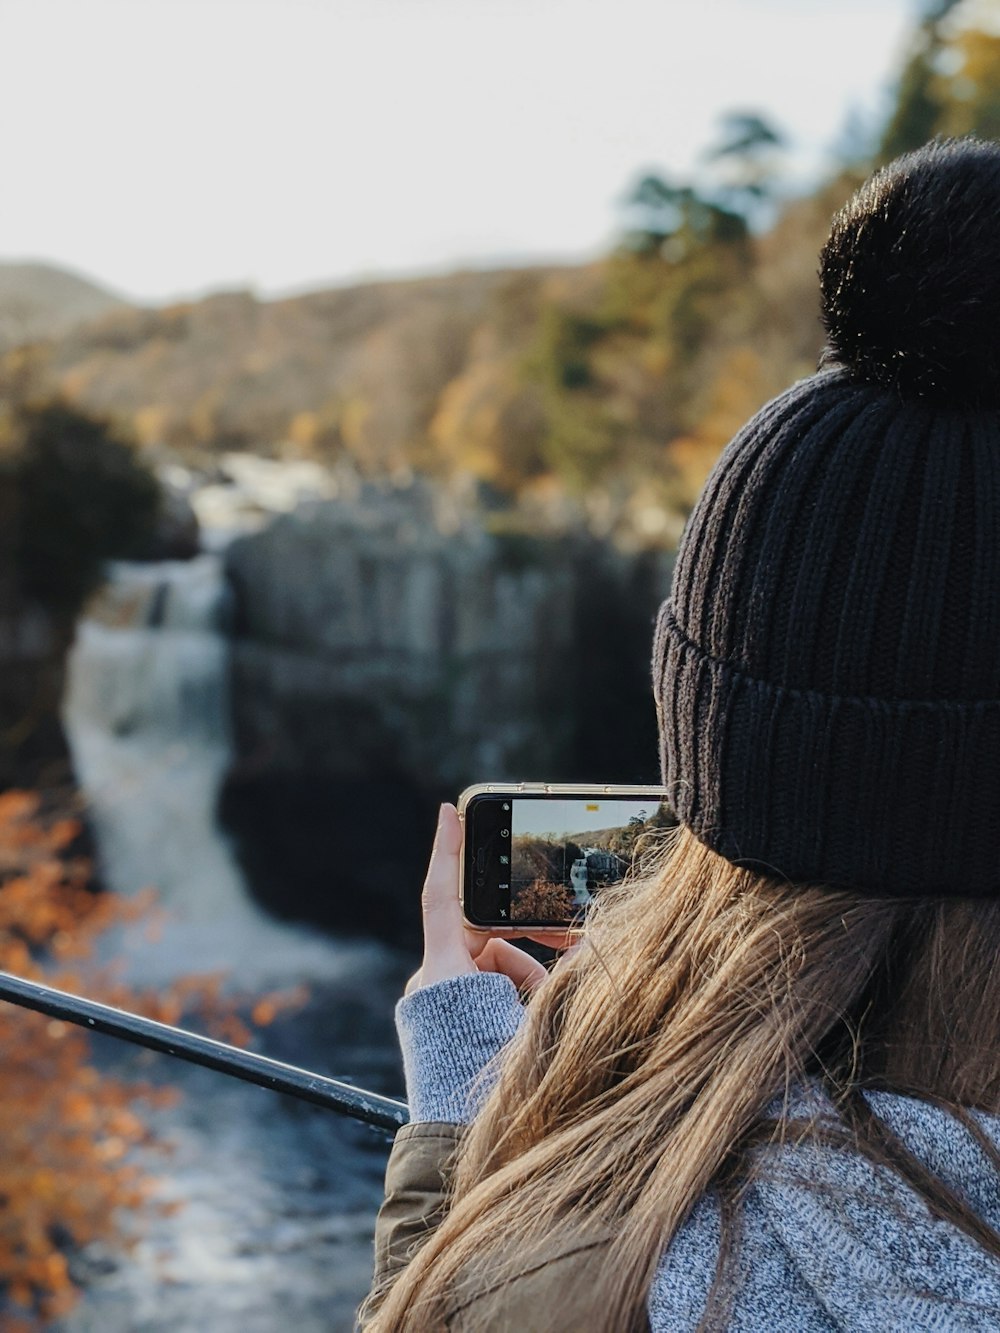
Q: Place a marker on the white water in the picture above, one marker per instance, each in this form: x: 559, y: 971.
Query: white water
x: 278, y: 1200
x: 146, y: 712
x: 580, y: 879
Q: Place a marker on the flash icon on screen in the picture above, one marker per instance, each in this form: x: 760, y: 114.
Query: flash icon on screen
x: 505, y: 860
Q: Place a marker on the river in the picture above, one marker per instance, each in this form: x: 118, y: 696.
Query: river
x: 276, y: 1198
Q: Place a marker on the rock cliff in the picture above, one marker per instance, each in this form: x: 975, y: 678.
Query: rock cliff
x: 389, y: 650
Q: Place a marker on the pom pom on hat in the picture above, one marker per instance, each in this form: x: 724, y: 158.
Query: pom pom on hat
x: 910, y: 276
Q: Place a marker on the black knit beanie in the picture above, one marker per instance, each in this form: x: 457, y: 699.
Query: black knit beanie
x: 827, y: 666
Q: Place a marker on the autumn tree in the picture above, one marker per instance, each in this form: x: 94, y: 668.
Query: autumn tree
x: 542, y: 900
x: 627, y: 841
x: 68, y: 1171
x: 950, y: 83
x: 970, y: 103
x: 545, y: 858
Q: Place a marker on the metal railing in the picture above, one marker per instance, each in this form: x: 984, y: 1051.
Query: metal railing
x: 382, y: 1112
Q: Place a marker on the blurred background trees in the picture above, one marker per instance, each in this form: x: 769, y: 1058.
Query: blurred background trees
x: 73, y: 494
x: 950, y: 83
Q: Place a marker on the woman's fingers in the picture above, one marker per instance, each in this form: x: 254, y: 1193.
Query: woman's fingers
x: 554, y: 939
x: 445, y: 950
x: 450, y: 949
x: 440, y: 902
x: 499, y: 955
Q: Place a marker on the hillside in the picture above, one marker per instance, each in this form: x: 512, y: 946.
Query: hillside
x: 42, y: 301
x: 357, y: 369
x: 614, y: 384
x: 626, y: 375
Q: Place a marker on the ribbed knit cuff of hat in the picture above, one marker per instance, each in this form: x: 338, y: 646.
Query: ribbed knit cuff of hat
x: 450, y: 1034
x: 889, y: 797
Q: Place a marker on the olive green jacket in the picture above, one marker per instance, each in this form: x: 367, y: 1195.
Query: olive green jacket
x: 555, y: 1278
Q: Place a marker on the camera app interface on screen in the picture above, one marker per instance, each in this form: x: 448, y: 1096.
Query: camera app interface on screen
x: 548, y: 858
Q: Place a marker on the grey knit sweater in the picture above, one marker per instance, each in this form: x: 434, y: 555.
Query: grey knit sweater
x: 828, y: 1242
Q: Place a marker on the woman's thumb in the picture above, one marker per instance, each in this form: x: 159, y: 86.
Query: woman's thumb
x: 440, y: 902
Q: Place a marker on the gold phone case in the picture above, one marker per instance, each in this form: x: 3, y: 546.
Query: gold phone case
x: 539, y: 789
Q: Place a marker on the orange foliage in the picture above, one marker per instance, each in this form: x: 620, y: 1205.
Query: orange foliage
x: 738, y: 389
x: 542, y: 901
x: 68, y: 1132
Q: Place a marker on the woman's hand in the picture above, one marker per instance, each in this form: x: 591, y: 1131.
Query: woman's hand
x: 450, y: 948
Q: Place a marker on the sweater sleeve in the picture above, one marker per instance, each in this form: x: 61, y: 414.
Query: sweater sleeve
x: 451, y: 1033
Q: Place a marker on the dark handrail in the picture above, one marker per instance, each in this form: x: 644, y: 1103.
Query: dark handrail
x: 383, y: 1112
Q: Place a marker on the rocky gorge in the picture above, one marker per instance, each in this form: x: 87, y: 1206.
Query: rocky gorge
x: 319, y: 680
x: 390, y: 646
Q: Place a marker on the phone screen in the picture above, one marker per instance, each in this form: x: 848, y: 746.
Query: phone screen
x: 542, y: 860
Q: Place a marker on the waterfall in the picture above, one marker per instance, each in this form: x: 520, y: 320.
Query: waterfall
x: 147, y: 718
x: 277, y: 1204
x: 146, y: 712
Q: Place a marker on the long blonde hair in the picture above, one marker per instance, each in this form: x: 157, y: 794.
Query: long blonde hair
x: 644, y: 1067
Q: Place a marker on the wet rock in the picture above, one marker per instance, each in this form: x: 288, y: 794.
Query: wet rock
x: 176, y: 534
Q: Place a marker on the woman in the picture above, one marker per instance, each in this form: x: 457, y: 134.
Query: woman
x: 764, y: 1092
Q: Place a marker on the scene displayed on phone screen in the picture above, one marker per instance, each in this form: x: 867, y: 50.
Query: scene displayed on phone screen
x: 563, y: 852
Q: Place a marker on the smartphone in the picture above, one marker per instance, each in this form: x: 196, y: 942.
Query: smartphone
x: 536, y: 854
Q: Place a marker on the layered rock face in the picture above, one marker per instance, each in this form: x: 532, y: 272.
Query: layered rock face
x: 389, y: 651
x: 379, y: 635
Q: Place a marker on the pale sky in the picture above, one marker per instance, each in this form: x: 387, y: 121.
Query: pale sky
x: 167, y: 147
x: 573, y: 816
